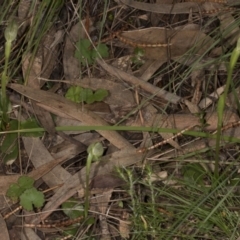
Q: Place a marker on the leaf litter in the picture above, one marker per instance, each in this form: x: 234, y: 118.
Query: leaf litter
x: 177, y: 46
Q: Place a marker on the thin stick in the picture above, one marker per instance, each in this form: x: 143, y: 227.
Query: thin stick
x: 165, y: 141
x: 224, y: 128
x: 59, y: 224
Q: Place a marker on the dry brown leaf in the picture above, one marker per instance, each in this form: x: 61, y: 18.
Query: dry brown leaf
x: 156, y: 18
x: 25, y: 11
x: 193, y: 108
x: 124, y: 229
x: 29, y: 233
x: 176, y: 8
x: 181, y: 41
x: 231, y: 101
x: 106, y: 181
x: 3, y: 229
x: 230, y: 29
x: 207, y: 101
x: 147, y: 70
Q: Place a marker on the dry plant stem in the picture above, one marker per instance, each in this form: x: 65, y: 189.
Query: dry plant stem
x: 230, y: 125
x: 165, y: 141
x: 169, y: 97
x: 231, y: 129
x: 141, y: 45
x: 12, y: 212
x: 59, y: 224
x: 135, y: 44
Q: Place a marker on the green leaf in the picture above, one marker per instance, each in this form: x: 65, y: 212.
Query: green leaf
x: 30, y: 123
x: 100, y: 94
x: 194, y: 173
x: 6, y: 109
x: 102, y: 50
x: 87, y: 54
x: 25, y: 182
x: 74, y: 93
x: 72, y: 208
x: 86, y: 94
x: 10, y: 139
x: 9, y: 158
x: 84, y: 52
x: 90, y: 99
x: 71, y: 230
x: 32, y: 197
x: 14, y: 191
x: 235, y: 55
x: 90, y: 221
x: 9, y: 142
x: 78, y: 94
x: 9, y: 145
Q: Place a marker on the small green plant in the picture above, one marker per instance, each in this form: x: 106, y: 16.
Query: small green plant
x: 8, y: 143
x: 222, y: 100
x: 10, y: 35
x: 24, y: 191
x: 194, y: 173
x: 137, y: 56
x: 78, y: 94
x: 73, y: 210
x: 86, y: 54
x: 95, y: 151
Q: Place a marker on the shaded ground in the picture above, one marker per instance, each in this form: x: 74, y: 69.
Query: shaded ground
x: 152, y: 71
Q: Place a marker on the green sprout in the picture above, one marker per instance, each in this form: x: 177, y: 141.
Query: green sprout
x: 95, y: 151
x: 222, y: 100
x: 138, y: 54
x: 10, y: 35
x: 73, y: 210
